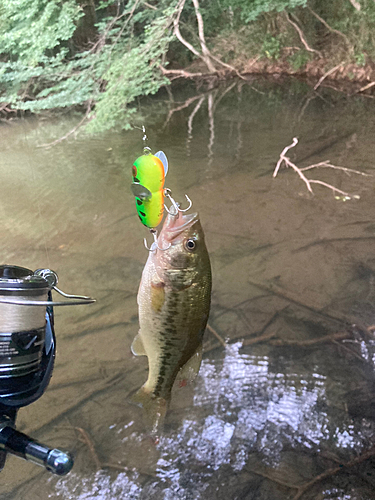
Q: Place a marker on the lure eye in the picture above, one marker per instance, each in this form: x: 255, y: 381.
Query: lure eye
x: 190, y: 245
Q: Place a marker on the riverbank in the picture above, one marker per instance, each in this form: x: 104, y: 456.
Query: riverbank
x: 343, y: 77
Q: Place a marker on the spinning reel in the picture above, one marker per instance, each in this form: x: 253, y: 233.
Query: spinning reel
x: 27, y: 355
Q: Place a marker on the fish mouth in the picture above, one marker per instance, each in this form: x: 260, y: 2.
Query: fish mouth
x: 177, y: 224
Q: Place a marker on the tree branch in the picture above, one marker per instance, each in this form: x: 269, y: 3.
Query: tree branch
x: 307, y: 181
x: 333, y: 30
x: 176, y: 31
x: 205, y: 51
x: 73, y: 130
x: 301, y: 36
x: 332, y: 70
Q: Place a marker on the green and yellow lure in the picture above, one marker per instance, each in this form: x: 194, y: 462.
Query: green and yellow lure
x: 149, y: 173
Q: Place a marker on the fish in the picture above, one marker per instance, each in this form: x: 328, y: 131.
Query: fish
x: 149, y: 173
x: 174, y: 299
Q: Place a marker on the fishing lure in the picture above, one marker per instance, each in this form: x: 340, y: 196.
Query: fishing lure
x: 149, y: 173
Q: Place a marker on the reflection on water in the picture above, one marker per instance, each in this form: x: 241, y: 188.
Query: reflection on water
x: 284, y: 401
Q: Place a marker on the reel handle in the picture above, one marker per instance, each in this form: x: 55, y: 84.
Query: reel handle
x: 15, y: 442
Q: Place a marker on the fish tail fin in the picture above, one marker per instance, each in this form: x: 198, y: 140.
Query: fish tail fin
x: 154, y: 408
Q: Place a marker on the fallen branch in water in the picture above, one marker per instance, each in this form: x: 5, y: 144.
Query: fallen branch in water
x: 215, y: 334
x: 333, y: 471
x: 301, y: 490
x: 320, y: 340
x: 308, y: 182
x: 73, y: 130
x: 87, y: 440
x: 329, y: 72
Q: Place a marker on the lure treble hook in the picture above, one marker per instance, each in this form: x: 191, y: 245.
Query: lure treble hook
x: 175, y: 205
x: 154, y: 245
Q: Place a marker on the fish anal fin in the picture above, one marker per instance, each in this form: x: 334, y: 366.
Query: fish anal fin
x: 190, y: 370
x: 137, y: 346
x: 157, y: 295
x: 154, y: 408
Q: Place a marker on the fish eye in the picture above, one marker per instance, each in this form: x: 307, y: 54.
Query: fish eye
x: 190, y: 245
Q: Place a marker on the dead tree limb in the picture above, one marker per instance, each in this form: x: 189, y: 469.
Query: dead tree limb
x: 320, y: 340
x: 355, y: 4
x: 205, y: 52
x: 176, y: 30
x: 73, y: 130
x: 206, y: 55
x: 332, y: 70
x: 215, y: 334
x: 308, y: 182
x: 302, y: 36
x: 301, y: 490
x: 182, y: 106
x: 332, y: 30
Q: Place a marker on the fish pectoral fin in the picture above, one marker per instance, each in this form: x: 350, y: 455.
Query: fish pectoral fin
x: 154, y: 408
x: 190, y: 370
x: 137, y: 347
x: 157, y: 295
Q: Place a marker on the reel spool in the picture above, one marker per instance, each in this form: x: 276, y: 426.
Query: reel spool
x: 27, y: 354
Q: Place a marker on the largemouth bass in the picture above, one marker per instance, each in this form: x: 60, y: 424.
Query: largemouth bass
x: 173, y: 303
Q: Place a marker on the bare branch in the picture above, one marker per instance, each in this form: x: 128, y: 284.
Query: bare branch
x: 327, y: 164
x: 302, y: 37
x: 149, y: 6
x: 215, y: 334
x: 332, y: 70
x: 179, y: 73
x: 355, y: 4
x: 368, y: 86
x: 320, y: 340
x: 182, y: 106
x: 307, y: 181
x: 333, y: 30
x: 282, y: 155
x: 73, y: 130
x: 205, y: 51
x: 176, y: 30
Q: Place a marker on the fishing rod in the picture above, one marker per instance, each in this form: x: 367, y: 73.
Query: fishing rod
x: 27, y: 355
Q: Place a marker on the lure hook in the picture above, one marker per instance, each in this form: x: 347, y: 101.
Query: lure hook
x: 189, y: 207
x: 175, y: 205
x: 154, y: 245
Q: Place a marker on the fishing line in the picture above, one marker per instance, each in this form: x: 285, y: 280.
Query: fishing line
x: 15, y: 319
x: 25, y: 305
x: 34, y: 181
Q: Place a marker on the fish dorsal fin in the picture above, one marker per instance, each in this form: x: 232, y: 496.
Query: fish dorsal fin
x: 140, y: 191
x: 137, y: 346
x: 162, y: 157
x: 190, y: 370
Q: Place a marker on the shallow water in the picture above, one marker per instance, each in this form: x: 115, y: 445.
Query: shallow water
x: 265, y: 415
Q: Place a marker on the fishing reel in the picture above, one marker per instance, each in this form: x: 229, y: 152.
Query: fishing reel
x: 27, y: 355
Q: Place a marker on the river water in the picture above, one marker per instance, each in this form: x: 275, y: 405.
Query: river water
x: 283, y: 408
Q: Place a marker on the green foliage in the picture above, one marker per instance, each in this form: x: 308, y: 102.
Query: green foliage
x: 299, y: 59
x: 29, y: 29
x: 104, y: 55
x: 360, y: 59
x: 41, y: 68
x: 271, y: 47
x: 250, y: 10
